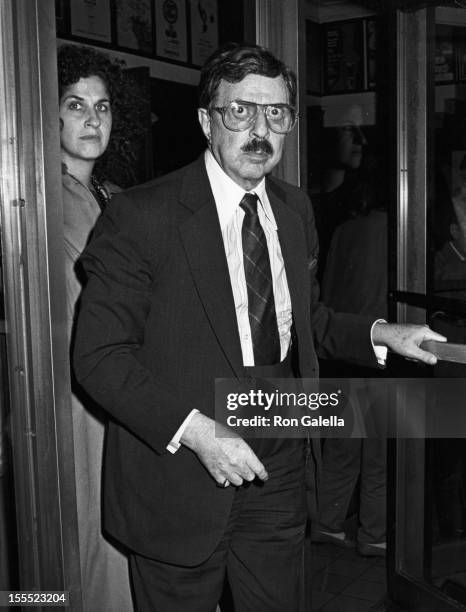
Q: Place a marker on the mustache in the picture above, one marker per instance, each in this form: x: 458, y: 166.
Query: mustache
x: 257, y: 145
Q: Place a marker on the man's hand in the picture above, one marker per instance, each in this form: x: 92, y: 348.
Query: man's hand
x: 406, y: 339
x: 229, y: 459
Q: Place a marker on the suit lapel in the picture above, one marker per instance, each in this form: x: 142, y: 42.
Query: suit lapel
x: 294, y: 251
x: 293, y: 247
x: 202, y: 239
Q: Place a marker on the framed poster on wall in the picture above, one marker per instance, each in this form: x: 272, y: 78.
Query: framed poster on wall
x: 61, y: 21
x: 371, y: 52
x: 313, y: 58
x: 444, y: 55
x: 460, y: 47
x: 134, y: 25
x: 461, y: 62
x: 204, y: 30
x: 171, y: 30
x: 344, y: 57
x: 91, y: 20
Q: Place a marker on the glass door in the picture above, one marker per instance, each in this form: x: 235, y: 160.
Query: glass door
x: 427, y: 543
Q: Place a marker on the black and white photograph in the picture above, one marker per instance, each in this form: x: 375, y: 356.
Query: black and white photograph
x: 171, y: 29
x: 204, y: 29
x: 233, y: 305
x: 134, y: 25
x: 91, y: 19
x: 344, y: 65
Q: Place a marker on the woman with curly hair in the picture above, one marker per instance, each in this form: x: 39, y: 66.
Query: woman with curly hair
x: 96, y: 106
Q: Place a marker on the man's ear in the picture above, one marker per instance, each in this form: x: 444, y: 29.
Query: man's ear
x: 204, y: 119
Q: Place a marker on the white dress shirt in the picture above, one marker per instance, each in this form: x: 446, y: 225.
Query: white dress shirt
x: 227, y: 196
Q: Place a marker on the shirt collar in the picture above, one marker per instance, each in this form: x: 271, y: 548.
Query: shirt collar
x: 228, y: 194
x: 66, y: 172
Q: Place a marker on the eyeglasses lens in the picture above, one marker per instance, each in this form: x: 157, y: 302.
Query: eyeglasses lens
x: 240, y: 116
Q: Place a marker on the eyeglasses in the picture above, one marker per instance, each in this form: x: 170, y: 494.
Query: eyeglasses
x: 239, y: 115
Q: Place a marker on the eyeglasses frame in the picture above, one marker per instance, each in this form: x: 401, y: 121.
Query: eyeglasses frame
x: 260, y: 107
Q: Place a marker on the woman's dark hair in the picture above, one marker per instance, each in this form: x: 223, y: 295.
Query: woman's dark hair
x: 233, y: 62
x: 75, y: 62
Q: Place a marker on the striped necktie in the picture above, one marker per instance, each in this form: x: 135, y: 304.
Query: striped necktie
x: 261, y: 304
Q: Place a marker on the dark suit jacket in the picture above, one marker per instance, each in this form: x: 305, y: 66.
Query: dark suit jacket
x: 158, y: 325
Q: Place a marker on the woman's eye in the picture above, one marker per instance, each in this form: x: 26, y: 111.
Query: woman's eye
x: 103, y: 108
x: 74, y: 105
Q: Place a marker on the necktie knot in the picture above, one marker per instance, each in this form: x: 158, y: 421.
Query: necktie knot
x: 249, y: 203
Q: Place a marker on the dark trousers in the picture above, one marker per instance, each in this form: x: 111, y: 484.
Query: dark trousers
x: 344, y: 461
x: 261, y: 551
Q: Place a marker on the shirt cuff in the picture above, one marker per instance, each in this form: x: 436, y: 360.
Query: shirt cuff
x: 379, y: 350
x: 174, y: 443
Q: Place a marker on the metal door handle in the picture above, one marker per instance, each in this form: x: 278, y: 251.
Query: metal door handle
x: 446, y: 351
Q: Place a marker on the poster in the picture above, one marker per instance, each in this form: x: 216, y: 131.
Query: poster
x: 134, y: 25
x: 371, y: 53
x: 444, y: 61
x: 204, y: 30
x: 171, y: 29
x: 91, y: 19
x: 461, y: 61
x: 344, y: 61
x: 313, y: 58
x: 60, y: 18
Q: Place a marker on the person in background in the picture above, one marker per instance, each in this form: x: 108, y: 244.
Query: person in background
x: 355, y: 281
x: 450, y: 259
x: 96, y: 102
x: 188, y: 282
x: 344, y: 144
x: 450, y: 282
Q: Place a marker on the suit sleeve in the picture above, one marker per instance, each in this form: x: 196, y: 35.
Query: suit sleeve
x: 121, y: 265
x: 336, y: 335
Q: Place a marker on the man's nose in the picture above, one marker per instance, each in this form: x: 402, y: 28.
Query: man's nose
x: 260, y: 127
x: 93, y: 118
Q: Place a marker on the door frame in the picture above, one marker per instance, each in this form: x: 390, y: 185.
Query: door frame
x: 34, y: 280
x: 413, y: 36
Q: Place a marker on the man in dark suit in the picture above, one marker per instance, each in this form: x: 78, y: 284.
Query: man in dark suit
x: 209, y: 273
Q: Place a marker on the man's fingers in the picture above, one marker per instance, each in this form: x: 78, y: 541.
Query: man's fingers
x: 248, y: 475
x: 244, y: 462
x: 425, y: 357
x: 258, y: 468
x: 432, y: 335
x: 235, y: 480
x: 249, y: 470
x: 240, y: 470
x: 226, y: 458
x: 430, y: 359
